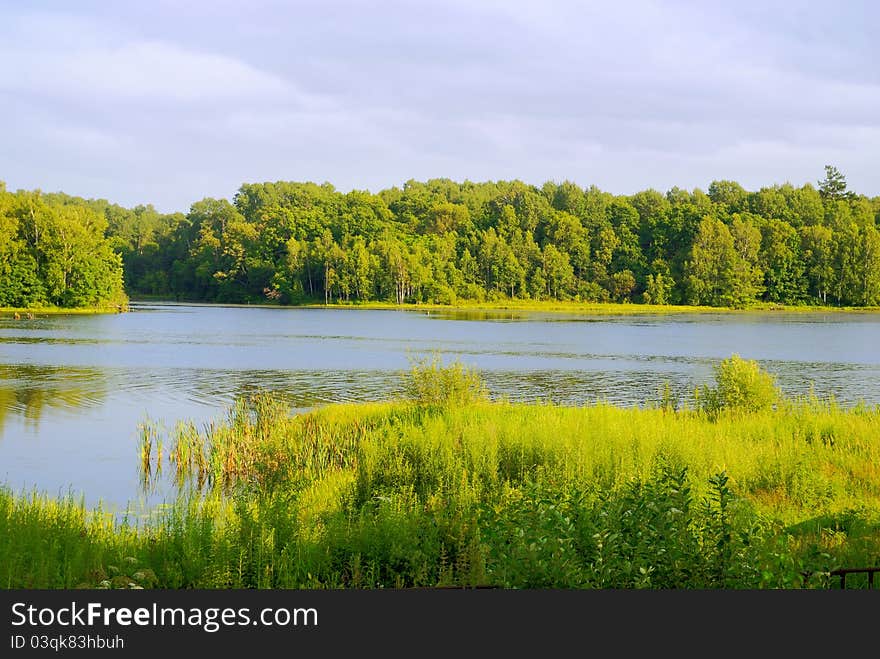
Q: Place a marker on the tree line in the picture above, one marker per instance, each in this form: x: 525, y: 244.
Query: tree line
x: 55, y: 251
x: 442, y: 241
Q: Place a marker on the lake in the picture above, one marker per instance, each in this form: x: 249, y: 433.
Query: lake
x: 73, y: 389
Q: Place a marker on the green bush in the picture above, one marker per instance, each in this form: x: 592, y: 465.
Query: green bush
x: 740, y: 385
x: 428, y: 382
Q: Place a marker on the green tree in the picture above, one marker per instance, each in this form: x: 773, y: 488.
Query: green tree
x: 782, y: 263
x: 730, y: 196
x: 567, y: 234
x: 557, y: 272
x: 817, y: 250
x: 332, y: 260
x: 56, y: 251
x: 358, y: 269
x: 658, y: 287
x: 20, y: 284
x: 833, y: 186
x: 622, y: 285
x: 719, y: 272
x: 748, y: 278
x: 445, y: 217
x: 869, y: 267
x: 440, y: 240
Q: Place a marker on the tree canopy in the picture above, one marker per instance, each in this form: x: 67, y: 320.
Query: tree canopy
x: 54, y: 250
x: 442, y: 241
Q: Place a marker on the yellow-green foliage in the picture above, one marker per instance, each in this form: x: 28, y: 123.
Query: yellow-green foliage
x: 430, y: 383
x: 592, y: 308
x: 796, y: 463
x: 408, y: 494
x: 804, y: 459
x: 741, y: 385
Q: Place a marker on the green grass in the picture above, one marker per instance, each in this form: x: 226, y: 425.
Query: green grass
x: 550, y: 306
x: 543, y: 306
x: 594, y: 308
x: 60, y: 311
x: 442, y: 490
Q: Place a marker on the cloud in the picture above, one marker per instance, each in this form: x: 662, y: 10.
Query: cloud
x: 626, y: 95
x: 143, y: 70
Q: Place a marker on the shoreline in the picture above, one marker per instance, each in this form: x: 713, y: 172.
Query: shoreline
x: 588, y: 308
x: 61, y: 311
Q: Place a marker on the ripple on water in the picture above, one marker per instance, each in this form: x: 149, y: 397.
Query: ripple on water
x: 73, y: 389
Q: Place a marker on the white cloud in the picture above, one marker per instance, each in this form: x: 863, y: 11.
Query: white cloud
x: 627, y: 95
x: 141, y: 70
x: 59, y: 55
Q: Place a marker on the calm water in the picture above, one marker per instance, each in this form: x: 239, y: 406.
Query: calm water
x: 74, y: 388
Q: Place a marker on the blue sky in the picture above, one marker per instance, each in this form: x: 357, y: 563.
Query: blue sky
x: 169, y: 102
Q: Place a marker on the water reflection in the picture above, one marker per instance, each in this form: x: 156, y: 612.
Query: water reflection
x: 29, y: 391
x: 475, y: 314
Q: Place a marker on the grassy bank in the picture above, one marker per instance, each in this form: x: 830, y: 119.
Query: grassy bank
x: 742, y: 490
x: 597, y: 308
x: 542, y: 306
x: 35, y: 312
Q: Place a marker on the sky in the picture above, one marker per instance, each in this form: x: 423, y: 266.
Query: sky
x: 170, y: 102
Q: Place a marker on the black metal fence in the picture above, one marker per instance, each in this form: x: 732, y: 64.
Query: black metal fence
x: 842, y: 572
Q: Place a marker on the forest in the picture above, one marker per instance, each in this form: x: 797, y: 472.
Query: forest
x: 446, y: 242
x: 55, y: 251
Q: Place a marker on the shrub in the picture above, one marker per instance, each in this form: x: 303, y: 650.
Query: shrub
x: 741, y: 385
x: 428, y: 382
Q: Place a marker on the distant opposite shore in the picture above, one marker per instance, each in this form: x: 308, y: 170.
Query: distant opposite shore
x: 548, y: 306
x: 25, y: 313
